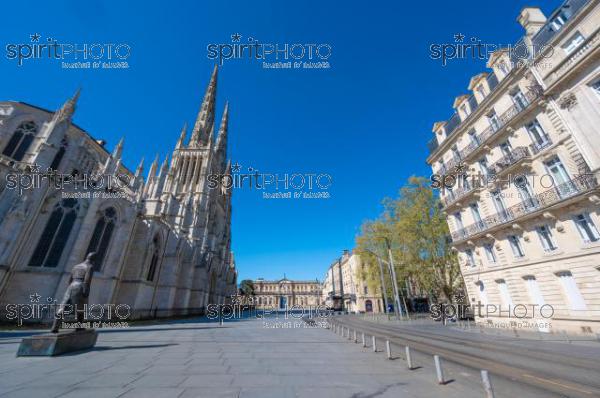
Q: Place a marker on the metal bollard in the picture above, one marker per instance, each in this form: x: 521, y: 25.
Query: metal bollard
x: 349, y: 338
x: 355, y: 339
x: 374, y: 344
x: 408, y: 358
x: 388, y: 349
x: 364, y: 342
x: 438, y: 369
x: 487, y: 384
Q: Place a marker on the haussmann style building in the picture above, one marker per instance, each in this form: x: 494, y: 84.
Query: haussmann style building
x: 524, y: 146
x: 162, y: 243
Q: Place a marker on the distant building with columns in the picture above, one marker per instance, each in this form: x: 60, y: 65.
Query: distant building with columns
x: 279, y: 293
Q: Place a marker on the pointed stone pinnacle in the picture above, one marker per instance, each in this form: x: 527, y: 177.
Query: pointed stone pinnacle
x: 118, y: 149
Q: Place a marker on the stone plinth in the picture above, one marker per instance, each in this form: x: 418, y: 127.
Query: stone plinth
x: 52, y: 344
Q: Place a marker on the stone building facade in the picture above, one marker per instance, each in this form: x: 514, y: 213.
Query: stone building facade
x: 285, y: 292
x: 343, y: 290
x: 522, y: 152
x: 163, y: 243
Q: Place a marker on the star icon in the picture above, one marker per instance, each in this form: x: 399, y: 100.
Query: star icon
x: 460, y: 168
x: 459, y: 37
x: 236, y: 37
x: 35, y: 37
x: 459, y: 297
x: 236, y: 167
x: 35, y: 168
x: 34, y: 298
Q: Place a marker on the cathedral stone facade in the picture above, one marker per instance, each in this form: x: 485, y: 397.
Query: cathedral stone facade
x: 162, y: 244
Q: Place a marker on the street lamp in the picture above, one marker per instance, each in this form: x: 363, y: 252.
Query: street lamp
x: 393, y: 273
x: 383, y: 288
x: 390, y: 264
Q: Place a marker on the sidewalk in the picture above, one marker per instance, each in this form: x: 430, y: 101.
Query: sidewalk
x: 239, y: 359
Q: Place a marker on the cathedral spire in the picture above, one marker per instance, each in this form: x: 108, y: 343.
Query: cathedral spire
x: 65, y: 113
x: 206, y: 114
x: 181, y: 140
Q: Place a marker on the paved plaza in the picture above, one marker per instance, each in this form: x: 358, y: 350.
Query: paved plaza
x: 243, y: 358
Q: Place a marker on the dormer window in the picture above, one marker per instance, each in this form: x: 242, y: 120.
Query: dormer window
x: 464, y: 110
x: 574, y: 42
x: 559, y: 21
x: 481, y: 90
x: 503, y: 68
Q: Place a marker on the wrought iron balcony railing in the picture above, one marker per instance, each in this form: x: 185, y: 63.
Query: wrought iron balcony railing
x: 576, y: 186
x: 456, y: 194
x: 518, y: 154
x: 537, y: 147
x: 502, y: 120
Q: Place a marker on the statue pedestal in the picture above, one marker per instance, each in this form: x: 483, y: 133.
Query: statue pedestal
x: 52, y: 344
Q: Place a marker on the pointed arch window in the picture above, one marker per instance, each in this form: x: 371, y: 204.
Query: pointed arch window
x: 59, y: 155
x: 55, y: 235
x: 154, y: 259
x: 101, y: 236
x: 21, y: 140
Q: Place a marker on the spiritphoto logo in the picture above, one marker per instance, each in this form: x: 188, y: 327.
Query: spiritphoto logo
x: 40, y: 310
x: 296, y: 185
x: 71, y: 55
x: 484, y: 310
x: 461, y: 180
x: 476, y: 49
x: 82, y: 185
x: 240, y: 311
x: 272, y: 55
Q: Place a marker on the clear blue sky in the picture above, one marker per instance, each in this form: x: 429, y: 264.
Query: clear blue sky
x: 365, y: 121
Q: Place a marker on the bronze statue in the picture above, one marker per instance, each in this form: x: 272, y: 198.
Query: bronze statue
x: 77, y: 292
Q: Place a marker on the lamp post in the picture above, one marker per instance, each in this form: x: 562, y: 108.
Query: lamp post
x: 383, y: 288
x: 397, y: 306
x: 394, y: 280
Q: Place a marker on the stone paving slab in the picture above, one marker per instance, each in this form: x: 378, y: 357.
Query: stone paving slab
x: 240, y: 359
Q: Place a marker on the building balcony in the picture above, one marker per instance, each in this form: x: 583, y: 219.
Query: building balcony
x: 452, y: 163
x: 509, y: 160
x: 457, y: 194
x: 537, y: 147
x: 493, y: 130
x: 577, y: 186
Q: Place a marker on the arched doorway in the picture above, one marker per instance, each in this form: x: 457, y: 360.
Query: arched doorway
x: 368, y: 306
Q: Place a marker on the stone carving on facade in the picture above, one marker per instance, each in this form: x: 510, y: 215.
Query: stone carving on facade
x: 567, y: 101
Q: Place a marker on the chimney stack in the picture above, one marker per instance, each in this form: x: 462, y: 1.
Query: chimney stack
x: 531, y: 19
